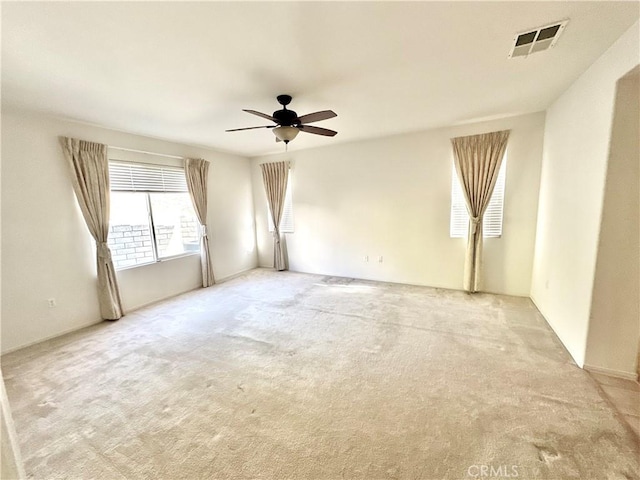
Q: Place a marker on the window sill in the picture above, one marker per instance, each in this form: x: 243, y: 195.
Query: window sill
x: 160, y: 260
x: 484, y: 237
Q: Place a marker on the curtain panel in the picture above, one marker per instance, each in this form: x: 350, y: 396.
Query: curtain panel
x: 196, y: 171
x: 89, y: 166
x: 477, y: 160
x: 275, y: 177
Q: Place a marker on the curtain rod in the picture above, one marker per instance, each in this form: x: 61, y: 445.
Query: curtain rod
x: 147, y: 153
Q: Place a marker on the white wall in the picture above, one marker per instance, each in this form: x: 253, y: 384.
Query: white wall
x: 49, y: 253
x: 391, y: 197
x: 614, y: 326
x: 576, y: 149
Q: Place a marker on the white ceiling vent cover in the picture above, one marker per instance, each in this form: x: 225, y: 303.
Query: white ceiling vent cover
x: 537, y: 40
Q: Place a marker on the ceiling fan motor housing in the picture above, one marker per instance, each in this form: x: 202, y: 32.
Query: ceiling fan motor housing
x: 285, y: 117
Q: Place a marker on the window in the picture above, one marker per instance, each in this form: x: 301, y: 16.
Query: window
x: 286, y: 222
x: 492, y: 221
x: 152, y: 217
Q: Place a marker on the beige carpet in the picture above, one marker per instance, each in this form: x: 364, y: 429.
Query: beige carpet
x: 285, y: 375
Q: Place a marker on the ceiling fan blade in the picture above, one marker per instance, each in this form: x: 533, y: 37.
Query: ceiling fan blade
x: 250, y: 128
x: 317, y: 116
x: 263, y: 115
x: 317, y: 130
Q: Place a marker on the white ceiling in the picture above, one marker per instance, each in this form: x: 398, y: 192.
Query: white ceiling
x: 183, y: 71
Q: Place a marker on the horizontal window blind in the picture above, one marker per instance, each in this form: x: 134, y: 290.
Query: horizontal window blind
x: 141, y: 177
x: 492, y: 221
x: 286, y: 222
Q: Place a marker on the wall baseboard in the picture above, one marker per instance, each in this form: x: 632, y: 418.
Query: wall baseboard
x: 153, y: 302
x: 590, y: 368
x: 235, y: 275
x: 51, y: 337
x: 128, y: 311
x: 218, y: 280
x: 611, y: 373
x: 573, y: 357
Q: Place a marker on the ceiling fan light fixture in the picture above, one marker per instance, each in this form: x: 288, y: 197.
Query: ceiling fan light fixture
x: 286, y: 134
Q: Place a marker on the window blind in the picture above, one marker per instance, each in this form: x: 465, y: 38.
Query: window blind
x: 492, y: 221
x: 141, y: 177
x: 286, y: 222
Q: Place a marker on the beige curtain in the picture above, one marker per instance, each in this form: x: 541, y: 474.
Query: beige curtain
x: 477, y: 160
x: 196, y: 171
x: 90, y: 178
x: 275, y: 177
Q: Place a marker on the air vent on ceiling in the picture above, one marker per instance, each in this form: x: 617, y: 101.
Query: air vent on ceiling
x: 543, y: 38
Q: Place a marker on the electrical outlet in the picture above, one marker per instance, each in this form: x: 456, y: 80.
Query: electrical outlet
x: 51, y: 302
x: 366, y: 258
x: 380, y: 259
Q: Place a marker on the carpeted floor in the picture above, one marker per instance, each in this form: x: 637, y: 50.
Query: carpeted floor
x: 296, y: 376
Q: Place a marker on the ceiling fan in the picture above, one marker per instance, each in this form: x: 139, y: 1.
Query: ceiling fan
x: 288, y: 123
